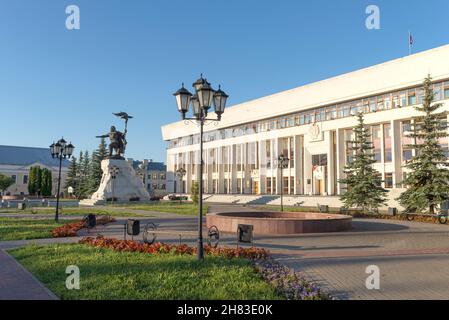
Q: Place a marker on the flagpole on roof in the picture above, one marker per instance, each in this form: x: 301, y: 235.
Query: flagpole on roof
x: 410, y: 41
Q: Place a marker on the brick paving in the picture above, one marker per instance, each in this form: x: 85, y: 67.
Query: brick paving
x: 413, y: 257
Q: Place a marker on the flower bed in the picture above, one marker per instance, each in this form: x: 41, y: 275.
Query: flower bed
x: 286, y: 281
x: 292, y: 285
x: 163, y: 248
x: 71, y: 229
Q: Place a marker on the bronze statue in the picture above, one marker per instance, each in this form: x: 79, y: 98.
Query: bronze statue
x: 117, y: 139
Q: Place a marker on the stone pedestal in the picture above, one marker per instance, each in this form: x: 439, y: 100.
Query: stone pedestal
x: 126, y: 186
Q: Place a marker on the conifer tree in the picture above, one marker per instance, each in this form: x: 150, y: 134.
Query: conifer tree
x: 363, y: 184
x: 428, y: 178
x: 46, y: 182
x: 32, y: 188
x: 96, y: 173
x: 72, y: 175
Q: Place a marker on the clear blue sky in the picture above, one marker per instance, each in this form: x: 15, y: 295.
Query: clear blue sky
x: 132, y: 55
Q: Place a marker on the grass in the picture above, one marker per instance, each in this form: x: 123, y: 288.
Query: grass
x: 184, y: 208
x: 76, y: 212
x: 108, y: 274
x: 24, y: 229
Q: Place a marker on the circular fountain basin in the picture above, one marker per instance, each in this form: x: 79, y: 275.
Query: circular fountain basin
x: 278, y: 223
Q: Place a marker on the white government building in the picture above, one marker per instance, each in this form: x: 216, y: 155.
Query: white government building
x: 310, y: 125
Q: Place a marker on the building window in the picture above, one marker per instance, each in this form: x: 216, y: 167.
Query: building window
x: 292, y: 185
x: 239, y: 185
x: 14, y: 178
x: 348, y: 145
x: 407, y: 151
x: 25, y: 179
x: 268, y: 153
x: 411, y: 98
x: 268, y: 185
x: 388, y: 180
x: 376, y: 140
x: 388, y: 157
x: 162, y: 176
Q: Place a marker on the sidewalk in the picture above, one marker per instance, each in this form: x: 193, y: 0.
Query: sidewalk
x: 16, y: 283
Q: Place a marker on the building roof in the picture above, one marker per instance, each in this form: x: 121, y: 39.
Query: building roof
x: 151, y: 166
x: 23, y: 156
x: 389, y: 76
x: 156, y: 166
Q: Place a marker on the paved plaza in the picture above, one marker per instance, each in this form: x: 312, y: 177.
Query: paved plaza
x: 413, y: 257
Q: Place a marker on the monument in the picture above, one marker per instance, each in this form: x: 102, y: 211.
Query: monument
x: 119, y: 182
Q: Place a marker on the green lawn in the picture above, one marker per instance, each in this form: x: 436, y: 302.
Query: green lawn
x: 76, y: 212
x: 108, y: 274
x: 184, y: 208
x: 24, y: 229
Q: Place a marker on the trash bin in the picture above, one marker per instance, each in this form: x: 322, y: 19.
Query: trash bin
x: 392, y: 211
x: 133, y: 227
x: 91, y: 221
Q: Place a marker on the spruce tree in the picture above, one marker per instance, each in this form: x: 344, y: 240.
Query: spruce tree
x: 428, y: 178
x: 363, y: 184
x: 72, y: 175
x: 84, y: 183
x: 95, y: 172
x: 79, y: 174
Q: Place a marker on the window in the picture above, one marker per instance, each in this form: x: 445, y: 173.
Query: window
x: 239, y: 185
x: 292, y: 185
x: 388, y: 180
x: 407, y: 151
x: 446, y: 90
x: 268, y: 185
x: 14, y: 178
x: 411, y: 97
x: 376, y: 140
x: 387, y: 143
x: 331, y: 113
x: 387, y: 101
x: 162, y: 176
x: 285, y: 185
x: 348, y: 145
x: 437, y: 90
x: 25, y: 179
x: 268, y: 153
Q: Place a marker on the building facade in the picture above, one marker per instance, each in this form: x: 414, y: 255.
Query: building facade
x: 311, y: 125
x: 16, y: 162
x: 153, y: 175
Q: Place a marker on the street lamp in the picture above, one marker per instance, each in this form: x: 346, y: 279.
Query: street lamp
x: 181, y: 172
x: 201, y: 102
x: 282, y: 164
x: 113, y: 172
x: 60, y: 150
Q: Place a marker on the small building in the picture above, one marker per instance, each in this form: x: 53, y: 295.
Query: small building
x: 153, y: 175
x: 16, y: 162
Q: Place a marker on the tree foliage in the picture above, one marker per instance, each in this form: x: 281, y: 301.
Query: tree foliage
x: 5, y: 182
x: 194, y: 192
x: 427, y: 179
x: 362, y: 183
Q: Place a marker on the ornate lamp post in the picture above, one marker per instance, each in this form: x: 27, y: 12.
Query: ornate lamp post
x: 181, y: 172
x: 113, y: 172
x: 282, y: 164
x: 201, y: 102
x: 60, y: 150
